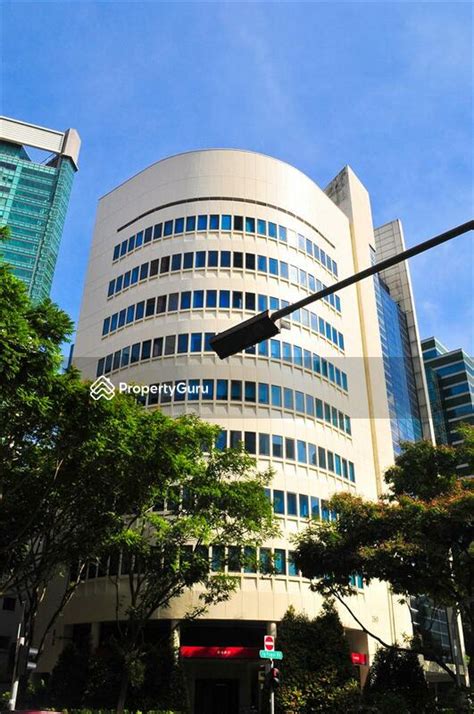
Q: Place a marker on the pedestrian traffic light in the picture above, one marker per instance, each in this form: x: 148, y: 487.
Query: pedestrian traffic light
x: 274, y: 678
x: 28, y: 657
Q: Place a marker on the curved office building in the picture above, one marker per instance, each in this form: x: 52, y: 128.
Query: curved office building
x: 188, y: 247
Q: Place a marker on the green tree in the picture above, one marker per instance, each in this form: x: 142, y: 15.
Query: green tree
x: 317, y: 671
x: 397, y: 675
x: 80, y: 479
x: 419, y: 538
x: 213, y: 498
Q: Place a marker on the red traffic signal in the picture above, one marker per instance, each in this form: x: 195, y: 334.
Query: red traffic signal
x: 274, y: 677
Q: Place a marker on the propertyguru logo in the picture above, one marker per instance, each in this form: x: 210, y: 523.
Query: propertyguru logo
x: 103, y: 388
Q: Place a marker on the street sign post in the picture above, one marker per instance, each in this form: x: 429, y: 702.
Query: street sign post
x: 273, y: 654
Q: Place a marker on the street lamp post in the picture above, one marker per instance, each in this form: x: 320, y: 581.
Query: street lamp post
x: 263, y: 326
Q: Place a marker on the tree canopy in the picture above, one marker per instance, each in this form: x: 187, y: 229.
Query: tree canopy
x: 418, y: 538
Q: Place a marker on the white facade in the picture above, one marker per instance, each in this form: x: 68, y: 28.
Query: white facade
x: 239, y: 183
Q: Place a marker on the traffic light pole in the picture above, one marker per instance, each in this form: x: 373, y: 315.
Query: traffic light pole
x: 272, y: 692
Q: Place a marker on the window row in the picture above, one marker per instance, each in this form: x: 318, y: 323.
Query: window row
x: 198, y: 342
x: 226, y: 223
x: 202, y: 259
x: 299, y: 505
x: 222, y: 300
x: 279, y: 447
x: 215, y: 558
x: 235, y: 390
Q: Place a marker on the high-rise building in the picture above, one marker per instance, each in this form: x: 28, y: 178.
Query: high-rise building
x: 188, y: 247
x: 450, y: 378
x: 34, y: 196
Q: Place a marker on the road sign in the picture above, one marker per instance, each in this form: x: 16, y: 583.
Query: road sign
x: 268, y: 643
x: 275, y: 654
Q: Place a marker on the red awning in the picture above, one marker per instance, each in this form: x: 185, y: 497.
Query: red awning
x: 222, y: 652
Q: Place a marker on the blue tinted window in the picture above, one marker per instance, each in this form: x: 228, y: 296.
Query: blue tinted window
x: 264, y: 444
x: 340, y: 340
x: 135, y: 353
x: 126, y: 279
x: 290, y: 449
x: 250, y: 442
x: 176, y: 261
x: 321, y: 457
x: 179, y: 225
x: 150, y: 307
x: 250, y: 301
x: 316, y: 364
x: 250, y: 225
x: 168, y: 229
x: 214, y: 222
x: 301, y: 450
x: 182, y: 343
x: 277, y: 446
x: 311, y: 283
x: 272, y: 230
x: 211, y: 298
x: 148, y: 234
x: 314, y: 507
x: 100, y: 367
x: 202, y: 223
x: 263, y: 393
x: 310, y: 405
x: 344, y: 380
x: 157, y: 231
x: 208, y: 389
x: 186, y: 300
x: 312, y: 457
x: 123, y: 247
x: 198, y: 298
x: 121, y: 321
x: 261, y: 227
x: 106, y: 326
x: 288, y: 398
x: 173, y: 302
x: 279, y: 561
x: 213, y: 259
x: 284, y: 270
x: 304, y: 506
x: 237, y: 300
x: 273, y: 266
x: 187, y: 260
x: 224, y: 298
x: 275, y: 349
x: 298, y: 356
x: 143, y: 271
x: 351, y: 471
x: 226, y: 222
x: 139, y: 239
x: 134, y: 277
x: 111, y: 289
x: 262, y: 303
x: 276, y: 396
x: 250, y: 392
x: 319, y: 409
x: 238, y: 223
x: 274, y: 303
x: 222, y: 392
x: 116, y: 252
x: 287, y: 357
x: 299, y: 402
x: 200, y: 261
x: 130, y: 313
x: 221, y: 441
x: 263, y: 348
x: 278, y: 502
x: 125, y: 356
x: 322, y: 256
x: 131, y: 243
x: 292, y: 567
x: 291, y: 504
x: 262, y: 263
x: 207, y: 337
x: 338, y: 465
x: 196, y: 342
x: 225, y: 259
x: 140, y: 310
x: 191, y: 223
x: 282, y: 233
x: 330, y: 457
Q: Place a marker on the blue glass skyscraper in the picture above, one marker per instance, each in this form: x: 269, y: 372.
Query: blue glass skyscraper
x: 33, y: 199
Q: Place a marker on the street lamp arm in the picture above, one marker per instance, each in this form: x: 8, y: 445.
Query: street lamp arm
x: 374, y: 269
x: 263, y: 326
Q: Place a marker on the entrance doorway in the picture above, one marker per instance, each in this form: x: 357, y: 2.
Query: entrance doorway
x: 216, y: 696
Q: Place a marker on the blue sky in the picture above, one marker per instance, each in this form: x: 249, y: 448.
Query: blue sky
x: 384, y: 87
